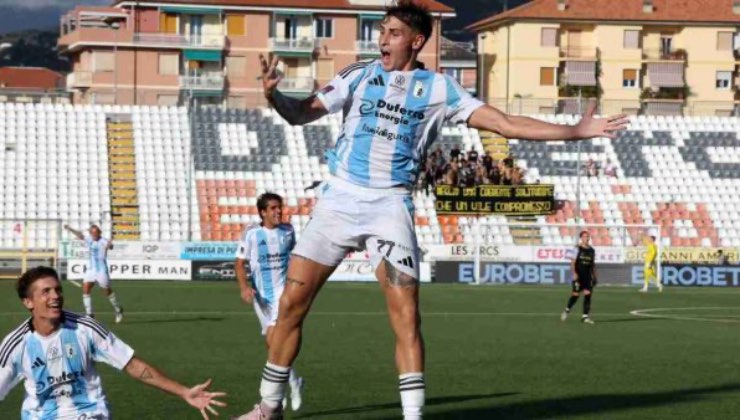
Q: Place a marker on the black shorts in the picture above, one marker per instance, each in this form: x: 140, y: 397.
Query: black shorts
x: 583, y: 283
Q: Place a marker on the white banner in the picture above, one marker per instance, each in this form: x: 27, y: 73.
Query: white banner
x: 362, y: 270
x: 136, y: 269
x: 557, y: 253
x: 488, y: 252
x: 124, y: 250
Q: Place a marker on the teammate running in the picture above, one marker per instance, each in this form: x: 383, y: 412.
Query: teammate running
x: 266, y: 247
x: 393, y: 109
x: 54, y: 354
x: 97, y: 269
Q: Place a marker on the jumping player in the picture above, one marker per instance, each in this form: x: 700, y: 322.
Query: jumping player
x: 393, y: 110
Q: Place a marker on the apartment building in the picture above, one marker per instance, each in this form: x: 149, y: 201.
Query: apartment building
x: 657, y: 57
x: 165, y: 52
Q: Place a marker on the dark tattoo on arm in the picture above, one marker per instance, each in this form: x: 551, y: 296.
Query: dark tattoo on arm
x: 146, y: 374
x: 396, y: 278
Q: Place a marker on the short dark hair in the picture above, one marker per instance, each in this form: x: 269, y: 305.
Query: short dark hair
x: 30, y: 276
x: 652, y: 237
x: 583, y: 232
x: 265, y: 198
x: 414, y: 15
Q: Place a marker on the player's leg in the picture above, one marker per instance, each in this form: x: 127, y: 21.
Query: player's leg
x: 268, y: 319
x: 587, y: 294
x: 104, y: 282
x: 575, y: 292
x: 87, y: 285
x: 649, y: 274
x: 402, y: 300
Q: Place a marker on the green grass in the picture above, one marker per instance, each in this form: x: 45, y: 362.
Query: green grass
x: 492, y: 352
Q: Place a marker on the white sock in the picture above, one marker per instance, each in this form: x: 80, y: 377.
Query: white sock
x: 274, y: 381
x: 88, y: 304
x: 412, y: 388
x: 114, y: 302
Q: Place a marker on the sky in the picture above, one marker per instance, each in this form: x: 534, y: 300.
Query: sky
x: 44, y: 14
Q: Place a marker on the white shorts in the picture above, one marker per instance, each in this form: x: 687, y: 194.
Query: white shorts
x: 349, y: 218
x: 267, y: 313
x: 100, y: 277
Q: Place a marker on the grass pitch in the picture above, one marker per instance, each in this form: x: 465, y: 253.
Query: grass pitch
x: 492, y: 352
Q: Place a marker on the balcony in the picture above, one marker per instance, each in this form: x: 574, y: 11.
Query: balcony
x: 209, y: 82
x: 79, y: 80
x: 294, y: 46
x: 660, y: 54
x: 578, y: 52
x: 367, y: 48
x: 296, y: 84
x: 179, y: 41
x: 663, y: 107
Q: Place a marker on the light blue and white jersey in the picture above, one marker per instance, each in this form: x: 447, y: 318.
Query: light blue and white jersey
x: 390, y: 120
x: 59, y: 371
x: 98, y: 262
x: 268, y: 253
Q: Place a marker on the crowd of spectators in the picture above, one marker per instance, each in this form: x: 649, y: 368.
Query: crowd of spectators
x: 468, y: 169
x: 592, y: 168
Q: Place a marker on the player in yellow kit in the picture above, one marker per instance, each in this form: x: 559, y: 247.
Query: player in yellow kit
x: 651, y: 263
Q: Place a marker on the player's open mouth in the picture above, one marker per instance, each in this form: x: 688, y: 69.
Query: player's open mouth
x: 385, y: 56
x: 54, y: 305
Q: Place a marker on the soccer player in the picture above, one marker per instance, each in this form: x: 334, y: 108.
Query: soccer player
x: 583, y: 264
x: 651, y: 263
x: 97, y: 269
x: 54, y: 353
x: 266, y: 247
x: 393, y: 108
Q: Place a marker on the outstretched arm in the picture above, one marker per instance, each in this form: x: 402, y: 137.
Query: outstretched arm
x: 74, y: 232
x: 295, y: 111
x: 197, y: 396
x: 525, y: 128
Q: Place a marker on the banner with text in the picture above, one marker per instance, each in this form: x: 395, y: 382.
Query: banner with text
x: 122, y: 250
x: 136, y: 269
x: 208, y: 251
x: 495, y: 199
x: 517, y: 253
x: 526, y: 273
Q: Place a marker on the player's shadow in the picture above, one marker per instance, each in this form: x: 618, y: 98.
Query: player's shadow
x: 452, y: 399
x: 175, y: 320
x: 596, y: 405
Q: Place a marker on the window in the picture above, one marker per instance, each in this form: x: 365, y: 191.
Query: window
x: 325, y: 68
x: 169, y: 64
x: 547, y: 76
x: 236, y: 66
x: 666, y: 45
x: 631, y: 39
x: 629, y: 78
x: 724, y: 41
x: 324, y: 28
x: 168, y: 23
x: 724, y: 79
x: 369, y: 30
x: 102, y: 61
x: 235, y: 25
x: 549, y: 37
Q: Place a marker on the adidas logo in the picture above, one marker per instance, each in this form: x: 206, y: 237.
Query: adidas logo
x: 38, y: 363
x: 407, y: 262
x: 377, y: 81
x: 263, y: 242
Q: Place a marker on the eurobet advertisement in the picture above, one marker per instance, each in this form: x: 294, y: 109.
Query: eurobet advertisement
x: 608, y: 274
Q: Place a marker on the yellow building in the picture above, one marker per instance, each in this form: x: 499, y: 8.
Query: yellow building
x: 656, y: 57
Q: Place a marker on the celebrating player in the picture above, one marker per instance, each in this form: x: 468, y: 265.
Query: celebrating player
x: 54, y: 352
x: 393, y: 109
x: 651, y: 263
x: 266, y: 247
x: 583, y: 263
x: 97, y: 269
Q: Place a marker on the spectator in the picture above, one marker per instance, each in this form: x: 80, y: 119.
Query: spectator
x: 494, y: 175
x: 473, y: 155
x: 439, y: 157
x: 455, y: 152
x: 610, y: 169
x: 428, y: 177
x: 487, y: 161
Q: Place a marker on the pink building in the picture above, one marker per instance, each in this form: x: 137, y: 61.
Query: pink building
x: 163, y: 52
